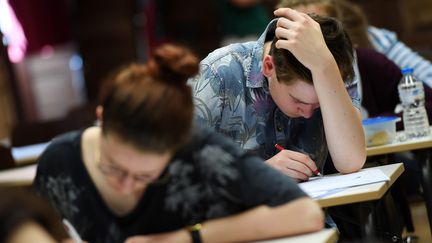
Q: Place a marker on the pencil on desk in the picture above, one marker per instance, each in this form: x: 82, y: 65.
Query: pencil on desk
x: 72, y: 231
x: 316, y: 172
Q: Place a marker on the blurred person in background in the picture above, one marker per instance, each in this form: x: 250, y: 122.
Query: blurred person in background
x: 368, y: 36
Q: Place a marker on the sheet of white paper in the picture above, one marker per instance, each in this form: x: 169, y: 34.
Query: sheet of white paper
x: 26, y: 173
x: 30, y: 151
x: 327, y: 185
x: 321, y: 194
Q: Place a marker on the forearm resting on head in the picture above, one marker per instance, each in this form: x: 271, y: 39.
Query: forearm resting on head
x: 299, y: 216
x: 342, y: 121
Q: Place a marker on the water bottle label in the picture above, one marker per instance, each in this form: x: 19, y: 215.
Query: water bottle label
x: 410, y: 95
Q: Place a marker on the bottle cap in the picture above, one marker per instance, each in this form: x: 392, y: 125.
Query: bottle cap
x: 407, y: 71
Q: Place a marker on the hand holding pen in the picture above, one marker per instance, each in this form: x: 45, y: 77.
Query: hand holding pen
x: 297, y: 165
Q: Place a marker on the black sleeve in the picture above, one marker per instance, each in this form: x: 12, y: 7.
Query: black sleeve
x: 261, y: 184
x: 256, y: 183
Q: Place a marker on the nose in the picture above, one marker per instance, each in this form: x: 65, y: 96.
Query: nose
x: 306, y: 111
x: 126, y: 185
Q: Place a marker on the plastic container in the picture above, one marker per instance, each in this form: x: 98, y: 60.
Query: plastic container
x: 380, y: 130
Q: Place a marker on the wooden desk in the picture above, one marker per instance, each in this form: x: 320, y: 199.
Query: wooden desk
x: 422, y: 148
x: 414, y: 144
x: 323, y: 236
x: 22, y: 176
x: 366, y: 192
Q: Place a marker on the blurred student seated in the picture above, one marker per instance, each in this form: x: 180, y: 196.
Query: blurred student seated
x: 367, y: 36
x: 148, y: 174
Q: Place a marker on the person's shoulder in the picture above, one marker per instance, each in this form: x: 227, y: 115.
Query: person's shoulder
x: 66, y: 139
x: 374, y: 59
x: 381, y: 33
x: 370, y: 55
x: 233, y: 53
x: 62, y: 146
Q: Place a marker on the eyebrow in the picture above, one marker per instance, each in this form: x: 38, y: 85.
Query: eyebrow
x: 298, y: 100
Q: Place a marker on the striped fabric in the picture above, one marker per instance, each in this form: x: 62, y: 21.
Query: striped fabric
x: 387, y: 43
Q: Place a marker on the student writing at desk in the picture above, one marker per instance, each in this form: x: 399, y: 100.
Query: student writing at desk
x: 148, y: 173
x: 287, y: 88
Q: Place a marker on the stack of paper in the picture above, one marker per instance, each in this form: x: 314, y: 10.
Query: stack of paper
x: 323, y: 186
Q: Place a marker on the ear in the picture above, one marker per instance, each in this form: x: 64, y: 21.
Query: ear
x: 268, y: 66
x: 99, y: 113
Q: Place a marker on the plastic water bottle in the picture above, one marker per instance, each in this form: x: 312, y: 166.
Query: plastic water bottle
x: 411, y: 94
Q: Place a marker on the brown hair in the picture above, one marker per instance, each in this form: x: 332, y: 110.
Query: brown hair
x: 289, y: 68
x: 327, y: 5
x: 150, y: 105
x: 18, y: 207
x: 355, y: 23
x: 350, y: 14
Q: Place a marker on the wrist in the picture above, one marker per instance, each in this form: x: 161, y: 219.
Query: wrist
x: 195, y: 233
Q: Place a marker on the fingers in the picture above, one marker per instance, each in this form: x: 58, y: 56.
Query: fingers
x: 298, y: 175
x: 290, y: 14
x: 285, y: 34
x: 300, y: 157
x: 285, y: 23
x: 293, y: 30
x: 294, y: 164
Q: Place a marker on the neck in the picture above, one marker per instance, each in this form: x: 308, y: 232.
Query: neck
x: 266, y: 48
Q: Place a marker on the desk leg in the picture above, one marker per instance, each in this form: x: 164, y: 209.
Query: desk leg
x: 424, y: 161
x: 371, y: 221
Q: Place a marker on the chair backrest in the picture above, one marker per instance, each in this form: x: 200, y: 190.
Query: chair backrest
x: 41, y: 132
x: 6, y: 159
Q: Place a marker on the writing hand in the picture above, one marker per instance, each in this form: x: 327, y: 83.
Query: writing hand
x: 294, y: 164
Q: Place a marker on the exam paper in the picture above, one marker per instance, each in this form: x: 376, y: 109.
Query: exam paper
x: 324, y: 186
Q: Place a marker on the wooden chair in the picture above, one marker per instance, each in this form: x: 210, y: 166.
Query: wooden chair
x: 6, y: 159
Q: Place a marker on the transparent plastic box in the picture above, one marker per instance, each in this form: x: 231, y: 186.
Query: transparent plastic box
x: 380, y: 130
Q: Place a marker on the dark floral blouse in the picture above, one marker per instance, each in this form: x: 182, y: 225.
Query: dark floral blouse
x: 210, y: 177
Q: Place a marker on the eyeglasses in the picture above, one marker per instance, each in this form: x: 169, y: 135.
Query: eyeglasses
x: 121, y: 174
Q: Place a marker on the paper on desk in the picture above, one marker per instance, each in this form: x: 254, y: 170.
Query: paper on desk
x: 30, y: 151
x: 327, y: 185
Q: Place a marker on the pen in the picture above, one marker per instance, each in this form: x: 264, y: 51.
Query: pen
x: 72, y: 231
x: 316, y: 172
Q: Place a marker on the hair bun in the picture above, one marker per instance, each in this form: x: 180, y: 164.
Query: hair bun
x: 173, y: 64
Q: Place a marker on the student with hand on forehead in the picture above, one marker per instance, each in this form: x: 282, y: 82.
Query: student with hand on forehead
x: 291, y: 87
x: 148, y: 174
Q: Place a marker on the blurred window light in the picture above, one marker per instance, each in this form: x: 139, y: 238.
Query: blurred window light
x: 13, y: 32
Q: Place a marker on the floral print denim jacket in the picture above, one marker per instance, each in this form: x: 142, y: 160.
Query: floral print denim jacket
x: 231, y: 95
